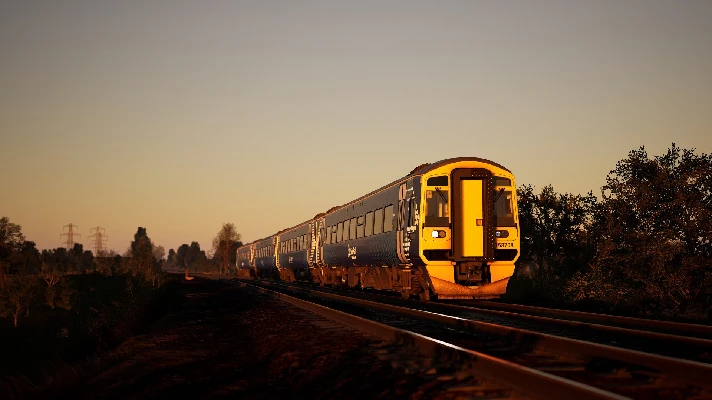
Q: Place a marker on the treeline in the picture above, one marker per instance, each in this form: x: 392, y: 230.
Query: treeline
x: 192, y: 258
x: 30, y: 279
x: 62, y: 306
x: 644, y: 248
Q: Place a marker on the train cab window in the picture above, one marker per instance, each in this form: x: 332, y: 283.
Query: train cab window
x: 352, y: 229
x: 339, y: 232
x: 388, y: 219
x: 438, y: 181
x: 437, y: 212
x: 378, y: 221
x: 504, y: 216
x: 359, y: 227
x: 369, y: 224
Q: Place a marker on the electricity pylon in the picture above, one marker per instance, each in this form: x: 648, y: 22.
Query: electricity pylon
x: 70, y: 235
x: 100, y: 240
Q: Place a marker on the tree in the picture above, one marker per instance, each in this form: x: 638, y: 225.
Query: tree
x: 11, y: 240
x: 224, y: 246
x: 106, y: 263
x: 180, y: 256
x: 143, y: 263
x: 17, y: 297
x: 555, y: 239
x: 655, y: 230
x: 159, y: 253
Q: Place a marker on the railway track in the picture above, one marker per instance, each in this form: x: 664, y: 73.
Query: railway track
x: 565, y: 367
x: 644, y: 338
x: 675, y: 328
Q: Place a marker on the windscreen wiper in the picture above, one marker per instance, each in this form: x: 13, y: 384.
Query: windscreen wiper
x: 442, y: 196
x: 501, y: 192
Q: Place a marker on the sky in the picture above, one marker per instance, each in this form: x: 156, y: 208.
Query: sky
x: 180, y: 116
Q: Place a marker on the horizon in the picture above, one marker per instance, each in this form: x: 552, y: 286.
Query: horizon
x: 180, y: 117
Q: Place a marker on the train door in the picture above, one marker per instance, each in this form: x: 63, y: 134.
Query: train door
x: 401, y: 224
x: 311, y: 249
x: 473, y: 229
x: 320, y: 237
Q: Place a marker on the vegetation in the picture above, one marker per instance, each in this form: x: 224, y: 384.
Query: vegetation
x: 225, y: 245
x: 643, y: 249
x: 193, y: 259
x: 62, y: 306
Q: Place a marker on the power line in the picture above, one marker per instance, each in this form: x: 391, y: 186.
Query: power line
x: 100, y: 239
x: 70, y: 235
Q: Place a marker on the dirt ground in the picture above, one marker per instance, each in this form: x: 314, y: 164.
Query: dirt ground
x: 228, y: 342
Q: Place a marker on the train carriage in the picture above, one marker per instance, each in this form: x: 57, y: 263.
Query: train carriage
x: 448, y: 229
x: 246, y: 260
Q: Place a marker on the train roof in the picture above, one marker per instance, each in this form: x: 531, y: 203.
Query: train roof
x: 419, y: 170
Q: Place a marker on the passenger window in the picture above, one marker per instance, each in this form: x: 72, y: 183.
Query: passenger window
x: 352, y: 229
x: 340, y: 232
x: 378, y: 221
x: 369, y: 224
x: 359, y: 227
x: 333, y: 234
x: 388, y: 219
x: 346, y: 229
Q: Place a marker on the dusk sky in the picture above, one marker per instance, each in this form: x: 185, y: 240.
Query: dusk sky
x: 181, y: 115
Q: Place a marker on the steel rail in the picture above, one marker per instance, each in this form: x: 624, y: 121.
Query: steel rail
x: 528, y: 380
x: 684, y: 370
x: 701, y: 343
x: 678, y: 328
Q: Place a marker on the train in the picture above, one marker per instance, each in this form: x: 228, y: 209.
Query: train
x: 447, y: 230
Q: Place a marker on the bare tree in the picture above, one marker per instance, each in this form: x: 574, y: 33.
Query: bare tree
x: 224, y: 244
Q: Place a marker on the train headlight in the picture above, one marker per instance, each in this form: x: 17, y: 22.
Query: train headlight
x: 501, y: 234
x: 438, y: 234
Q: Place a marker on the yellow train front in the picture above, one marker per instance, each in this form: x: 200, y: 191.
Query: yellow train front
x: 468, y: 228
x: 448, y: 229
